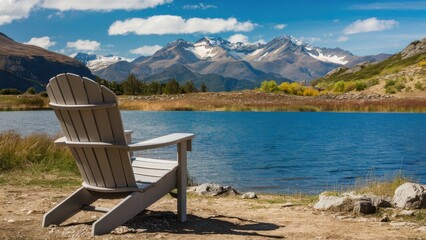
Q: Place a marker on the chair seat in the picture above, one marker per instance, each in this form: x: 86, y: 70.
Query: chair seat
x: 148, y: 171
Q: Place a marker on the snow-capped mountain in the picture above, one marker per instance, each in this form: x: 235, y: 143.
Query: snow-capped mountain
x: 96, y: 62
x: 283, y: 58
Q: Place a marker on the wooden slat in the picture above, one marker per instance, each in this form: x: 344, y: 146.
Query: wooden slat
x: 114, y: 116
x: 94, y: 164
x: 104, y: 165
x: 145, y: 163
x: 127, y: 168
x: 79, y: 164
x: 65, y: 119
x: 86, y: 166
x: 101, y: 115
x: 146, y: 179
x: 118, y: 172
x: 150, y: 172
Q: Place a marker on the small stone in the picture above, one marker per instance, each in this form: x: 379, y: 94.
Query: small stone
x: 10, y: 221
x: 385, y: 218
x: 249, y: 195
x: 287, y: 204
x: 29, y: 212
x: 421, y: 229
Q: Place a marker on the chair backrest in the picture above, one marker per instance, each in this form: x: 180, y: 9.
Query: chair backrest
x: 88, y: 112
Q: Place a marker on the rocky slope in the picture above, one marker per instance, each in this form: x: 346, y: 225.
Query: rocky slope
x: 23, y: 66
x: 403, y: 74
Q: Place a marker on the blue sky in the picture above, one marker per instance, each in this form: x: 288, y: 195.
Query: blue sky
x: 130, y: 28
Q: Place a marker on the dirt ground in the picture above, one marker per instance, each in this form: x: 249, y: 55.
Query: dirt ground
x: 22, y: 209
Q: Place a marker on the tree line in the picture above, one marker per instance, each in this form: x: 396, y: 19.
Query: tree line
x: 133, y: 86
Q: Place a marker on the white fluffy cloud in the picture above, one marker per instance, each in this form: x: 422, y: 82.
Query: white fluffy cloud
x: 280, y: 26
x: 238, y: 38
x: 43, y: 42
x: 84, y: 45
x: 369, y: 25
x: 146, y: 50
x: 11, y: 10
x: 102, y: 5
x: 169, y: 24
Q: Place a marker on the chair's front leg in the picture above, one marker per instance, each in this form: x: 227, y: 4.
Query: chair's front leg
x: 181, y: 181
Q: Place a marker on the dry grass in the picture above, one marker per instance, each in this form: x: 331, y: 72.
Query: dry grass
x: 258, y: 101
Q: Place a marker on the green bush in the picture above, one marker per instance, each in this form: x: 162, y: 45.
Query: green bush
x: 339, y: 86
x: 419, y: 86
x: 31, y: 91
x: 269, y: 86
x: 360, y: 85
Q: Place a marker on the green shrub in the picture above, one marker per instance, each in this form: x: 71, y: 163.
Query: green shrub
x: 269, y: 86
x: 339, y: 86
x: 349, y: 86
x: 10, y: 91
x: 360, y: 85
x: 390, y: 83
x: 31, y: 91
x: 419, y: 86
x: 372, y: 82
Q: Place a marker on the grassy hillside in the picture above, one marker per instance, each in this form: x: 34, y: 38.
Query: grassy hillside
x: 390, y: 76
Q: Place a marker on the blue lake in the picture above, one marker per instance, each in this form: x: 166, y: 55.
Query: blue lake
x: 276, y: 152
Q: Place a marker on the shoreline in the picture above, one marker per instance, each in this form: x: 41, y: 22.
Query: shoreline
x: 254, y: 101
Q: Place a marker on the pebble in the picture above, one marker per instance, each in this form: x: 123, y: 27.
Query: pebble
x: 10, y: 221
x: 287, y: 204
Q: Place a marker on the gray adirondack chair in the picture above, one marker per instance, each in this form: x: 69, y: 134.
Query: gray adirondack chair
x: 91, y: 122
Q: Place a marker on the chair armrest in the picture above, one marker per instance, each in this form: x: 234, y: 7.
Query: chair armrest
x: 163, y: 141
x: 128, y: 136
x: 60, y: 141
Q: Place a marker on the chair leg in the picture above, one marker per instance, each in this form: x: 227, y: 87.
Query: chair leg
x: 68, y: 207
x: 132, y: 205
x: 181, y: 181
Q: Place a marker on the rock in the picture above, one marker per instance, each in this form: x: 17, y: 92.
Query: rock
x: 407, y: 213
x: 364, y: 207
x: 385, y: 218
x: 333, y: 203
x: 287, y: 204
x: 383, y: 202
x: 213, y: 189
x: 410, y: 196
x: 249, y: 195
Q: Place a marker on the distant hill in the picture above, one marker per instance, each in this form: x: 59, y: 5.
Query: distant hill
x: 403, y: 73
x: 23, y: 66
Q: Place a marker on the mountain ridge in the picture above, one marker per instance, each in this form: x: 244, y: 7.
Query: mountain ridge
x: 23, y: 66
x: 283, y: 58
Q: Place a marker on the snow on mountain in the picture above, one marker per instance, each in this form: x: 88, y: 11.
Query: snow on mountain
x: 96, y: 63
x: 329, y: 58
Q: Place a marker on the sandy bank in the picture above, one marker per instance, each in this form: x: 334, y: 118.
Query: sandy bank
x: 209, y: 218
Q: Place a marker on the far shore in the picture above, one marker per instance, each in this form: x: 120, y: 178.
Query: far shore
x: 248, y: 100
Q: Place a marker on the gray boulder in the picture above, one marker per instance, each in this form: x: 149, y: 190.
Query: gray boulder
x: 249, y: 195
x: 410, y: 196
x: 213, y: 189
x: 335, y: 203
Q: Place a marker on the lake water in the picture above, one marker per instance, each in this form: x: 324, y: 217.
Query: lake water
x: 276, y: 152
